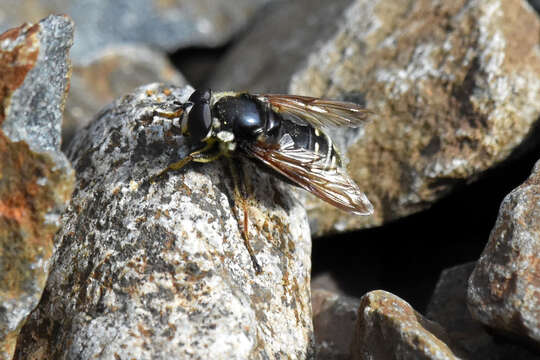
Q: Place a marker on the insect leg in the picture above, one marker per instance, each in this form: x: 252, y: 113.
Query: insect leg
x: 239, y: 198
x: 176, y: 114
x: 208, y: 153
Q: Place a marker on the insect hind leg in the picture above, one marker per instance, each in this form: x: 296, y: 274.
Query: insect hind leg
x: 240, y: 199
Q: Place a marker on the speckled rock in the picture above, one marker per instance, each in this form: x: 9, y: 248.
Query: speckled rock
x: 159, y: 270
x: 36, y: 180
x: 164, y: 24
x: 334, y: 319
x: 448, y: 307
x: 389, y: 328
x: 454, y: 91
x: 504, y: 288
x: 112, y: 73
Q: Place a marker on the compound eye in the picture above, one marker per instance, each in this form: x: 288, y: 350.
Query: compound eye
x: 199, y: 121
x: 200, y: 96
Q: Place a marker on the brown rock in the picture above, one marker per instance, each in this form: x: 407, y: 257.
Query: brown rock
x: 36, y: 180
x: 389, y: 328
x: 448, y: 307
x: 334, y: 319
x: 504, y: 288
x: 454, y: 91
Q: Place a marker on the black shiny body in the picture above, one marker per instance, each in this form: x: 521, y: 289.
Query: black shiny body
x: 250, y: 119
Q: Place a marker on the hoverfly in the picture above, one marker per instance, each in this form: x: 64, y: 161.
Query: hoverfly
x: 283, y: 132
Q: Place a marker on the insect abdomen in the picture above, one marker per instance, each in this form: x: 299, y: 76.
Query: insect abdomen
x: 313, y: 139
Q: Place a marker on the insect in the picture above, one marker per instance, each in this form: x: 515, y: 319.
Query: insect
x: 284, y: 133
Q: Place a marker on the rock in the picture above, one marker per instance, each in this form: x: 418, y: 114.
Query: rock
x: 454, y: 93
x: 159, y: 270
x: 110, y: 74
x: 290, y: 31
x: 535, y: 4
x: 167, y: 25
x: 448, y: 307
x: 325, y: 281
x: 334, y: 318
x: 389, y: 328
x: 504, y: 288
x: 36, y: 180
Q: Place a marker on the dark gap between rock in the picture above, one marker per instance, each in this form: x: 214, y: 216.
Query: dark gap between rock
x: 406, y: 256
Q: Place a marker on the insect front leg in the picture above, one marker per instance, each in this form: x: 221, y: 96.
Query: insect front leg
x: 208, y: 153
x: 239, y: 199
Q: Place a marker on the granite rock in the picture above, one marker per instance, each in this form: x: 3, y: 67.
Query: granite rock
x: 454, y: 93
x: 389, y: 328
x: 504, y: 288
x: 158, y: 269
x: 448, y: 307
x: 36, y: 179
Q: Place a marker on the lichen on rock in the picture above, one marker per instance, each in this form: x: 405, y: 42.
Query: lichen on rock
x: 158, y: 269
x: 36, y: 179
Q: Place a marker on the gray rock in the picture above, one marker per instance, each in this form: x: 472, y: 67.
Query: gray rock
x: 535, y: 4
x: 265, y: 59
x: 504, y: 288
x: 111, y: 73
x: 448, y: 307
x: 389, y: 328
x: 159, y: 270
x: 454, y: 91
x: 334, y: 319
x: 36, y: 179
x: 168, y: 25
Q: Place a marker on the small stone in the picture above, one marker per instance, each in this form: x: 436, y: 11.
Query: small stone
x: 448, y: 307
x: 164, y: 24
x: 110, y: 74
x: 454, y: 92
x: 36, y: 179
x: 504, y: 288
x: 334, y: 319
x: 158, y: 269
x: 389, y: 328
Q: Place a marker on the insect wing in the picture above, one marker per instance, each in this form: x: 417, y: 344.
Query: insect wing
x: 317, y: 112
x: 310, y: 171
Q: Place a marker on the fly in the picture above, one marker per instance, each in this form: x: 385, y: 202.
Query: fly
x: 283, y: 132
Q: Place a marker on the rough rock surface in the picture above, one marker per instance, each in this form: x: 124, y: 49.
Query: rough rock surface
x: 334, y: 319
x: 454, y: 91
x: 111, y: 73
x: 166, y: 24
x: 504, y: 288
x: 159, y: 270
x: 389, y: 328
x: 36, y: 180
x: 448, y: 307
